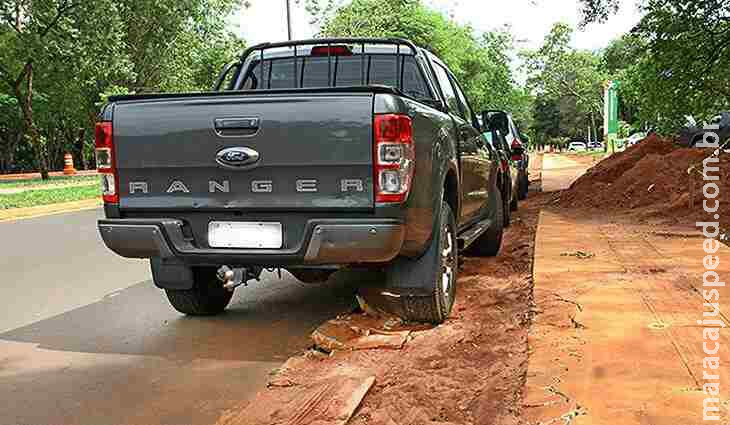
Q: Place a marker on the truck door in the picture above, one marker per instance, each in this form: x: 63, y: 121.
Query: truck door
x: 470, y: 145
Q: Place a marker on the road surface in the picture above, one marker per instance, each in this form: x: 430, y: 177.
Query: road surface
x: 86, y: 338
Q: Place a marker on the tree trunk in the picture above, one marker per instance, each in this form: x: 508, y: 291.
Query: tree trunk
x: 80, y: 148
x: 595, y: 131
x: 26, y: 106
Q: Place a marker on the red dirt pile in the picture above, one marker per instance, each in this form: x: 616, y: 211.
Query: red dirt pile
x: 650, y: 181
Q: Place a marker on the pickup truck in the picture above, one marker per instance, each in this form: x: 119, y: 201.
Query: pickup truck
x: 307, y: 156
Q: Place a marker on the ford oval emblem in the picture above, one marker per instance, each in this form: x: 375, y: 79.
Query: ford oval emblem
x: 238, y: 157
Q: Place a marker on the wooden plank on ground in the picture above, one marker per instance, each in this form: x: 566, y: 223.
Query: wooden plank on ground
x: 331, y: 400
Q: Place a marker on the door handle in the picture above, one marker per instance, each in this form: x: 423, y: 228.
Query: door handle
x: 223, y: 124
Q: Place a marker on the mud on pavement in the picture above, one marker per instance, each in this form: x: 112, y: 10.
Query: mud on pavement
x: 470, y: 370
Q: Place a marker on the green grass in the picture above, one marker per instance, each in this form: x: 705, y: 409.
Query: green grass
x: 52, y: 181
x: 32, y: 198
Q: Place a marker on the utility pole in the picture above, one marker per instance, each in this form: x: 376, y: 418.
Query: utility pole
x: 288, y: 18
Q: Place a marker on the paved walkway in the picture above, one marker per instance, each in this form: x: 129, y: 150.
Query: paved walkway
x: 615, y: 338
x: 559, y: 172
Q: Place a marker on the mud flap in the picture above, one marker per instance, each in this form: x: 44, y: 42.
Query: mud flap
x: 406, y: 277
x: 171, y: 274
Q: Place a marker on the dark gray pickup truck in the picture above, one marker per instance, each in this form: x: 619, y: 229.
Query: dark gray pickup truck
x: 308, y: 156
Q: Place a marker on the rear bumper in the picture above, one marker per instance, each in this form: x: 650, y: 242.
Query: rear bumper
x: 326, y: 242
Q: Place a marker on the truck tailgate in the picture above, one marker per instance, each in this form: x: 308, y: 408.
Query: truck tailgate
x: 314, y: 152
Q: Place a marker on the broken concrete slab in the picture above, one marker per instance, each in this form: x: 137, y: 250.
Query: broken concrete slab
x: 331, y: 400
x: 359, y: 332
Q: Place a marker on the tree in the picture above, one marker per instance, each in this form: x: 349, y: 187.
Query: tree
x: 571, y: 78
x: 177, y: 45
x: 546, y: 121
x: 34, y: 24
x: 59, y: 58
x: 480, y: 62
x: 685, y: 58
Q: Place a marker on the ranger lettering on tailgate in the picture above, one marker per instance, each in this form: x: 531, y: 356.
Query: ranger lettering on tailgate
x: 256, y: 186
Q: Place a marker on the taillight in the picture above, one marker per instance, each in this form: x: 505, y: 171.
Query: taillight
x: 394, y: 157
x: 337, y: 50
x: 106, y: 163
x: 516, y: 144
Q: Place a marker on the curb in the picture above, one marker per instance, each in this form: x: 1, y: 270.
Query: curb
x: 28, y: 176
x: 14, y: 214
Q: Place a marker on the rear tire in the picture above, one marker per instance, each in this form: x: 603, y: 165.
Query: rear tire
x: 524, y: 186
x: 313, y: 276
x: 514, y: 204
x: 207, y: 297
x: 434, y: 275
x: 489, y: 243
x: 507, y: 207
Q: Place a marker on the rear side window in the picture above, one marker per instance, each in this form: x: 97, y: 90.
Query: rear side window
x: 464, y: 103
x: 448, y: 90
x: 342, y: 71
x: 413, y: 83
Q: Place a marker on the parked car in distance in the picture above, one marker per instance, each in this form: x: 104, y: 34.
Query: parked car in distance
x: 309, y: 156
x: 595, y: 145
x: 497, y: 141
x: 515, y: 146
x: 692, y: 133
x: 635, y: 139
x: 577, y: 147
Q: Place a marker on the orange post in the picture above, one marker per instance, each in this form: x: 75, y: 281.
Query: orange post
x: 68, y: 165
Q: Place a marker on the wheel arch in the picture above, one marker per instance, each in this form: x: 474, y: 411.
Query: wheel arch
x: 450, y: 189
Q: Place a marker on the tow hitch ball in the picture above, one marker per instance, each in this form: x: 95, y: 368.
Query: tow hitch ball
x: 233, y: 278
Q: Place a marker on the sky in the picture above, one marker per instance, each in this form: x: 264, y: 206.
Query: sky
x: 530, y: 20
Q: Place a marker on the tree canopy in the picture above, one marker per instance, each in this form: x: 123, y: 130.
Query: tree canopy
x: 60, y: 58
x: 674, y: 62
x: 569, y: 86
x: 481, y: 62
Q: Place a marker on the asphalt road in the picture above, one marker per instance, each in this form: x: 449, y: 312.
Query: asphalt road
x: 86, y: 338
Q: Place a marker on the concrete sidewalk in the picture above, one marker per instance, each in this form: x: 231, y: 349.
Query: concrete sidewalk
x: 615, y: 339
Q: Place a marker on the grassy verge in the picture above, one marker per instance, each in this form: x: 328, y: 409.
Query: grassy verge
x: 32, y: 198
x: 51, y: 182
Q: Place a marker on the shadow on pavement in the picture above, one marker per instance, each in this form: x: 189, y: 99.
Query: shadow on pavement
x: 267, y: 321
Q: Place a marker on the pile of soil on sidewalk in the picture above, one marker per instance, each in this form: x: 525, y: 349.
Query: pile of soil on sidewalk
x: 469, y: 370
x: 650, y: 182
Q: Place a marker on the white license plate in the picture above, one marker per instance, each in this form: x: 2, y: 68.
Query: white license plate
x: 236, y: 234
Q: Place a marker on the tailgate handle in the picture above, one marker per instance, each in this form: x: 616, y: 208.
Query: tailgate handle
x: 223, y: 124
